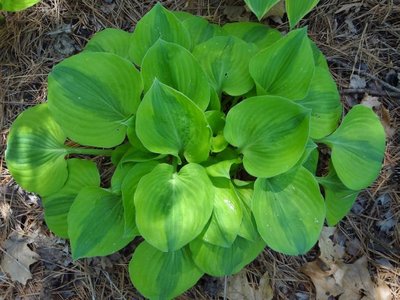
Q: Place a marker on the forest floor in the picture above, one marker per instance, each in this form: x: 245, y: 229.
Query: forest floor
x: 360, y: 259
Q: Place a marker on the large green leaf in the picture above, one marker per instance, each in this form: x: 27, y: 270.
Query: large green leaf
x: 35, y: 151
x: 270, y: 131
x: 92, y: 95
x: 297, y: 9
x: 358, y: 147
x: 200, y: 30
x: 128, y: 189
x: 338, y: 198
x: 96, y: 224
x: 110, y: 40
x: 167, y: 122
x: 158, y: 23
x: 225, y: 59
x: 81, y: 173
x: 324, y: 101
x: 173, y: 208
x: 260, y: 7
x: 220, y: 261
x: 259, y: 34
x: 176, y: 67
x: 160, y: 275
x: 289, y: 211
x: 16, y: 5
x: 227, y: 214
x: 286, y: 68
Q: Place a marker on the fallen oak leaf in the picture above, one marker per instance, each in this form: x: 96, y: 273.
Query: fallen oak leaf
x: 239, y: 288
x: 17, y: 257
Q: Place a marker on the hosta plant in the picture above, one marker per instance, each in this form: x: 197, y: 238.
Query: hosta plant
x: 295, y: 9
x: 214, y: 135
x: 16, y: 5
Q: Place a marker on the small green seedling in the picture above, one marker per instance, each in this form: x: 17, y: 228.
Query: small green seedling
x: 213, y: 133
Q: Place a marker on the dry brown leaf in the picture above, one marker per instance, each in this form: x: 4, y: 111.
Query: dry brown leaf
x: 17, y: 257
x: 383, y: 113
x: 371, y: 102
x: 278, y: 10
x: 239, y: 288
x: 330, y: 252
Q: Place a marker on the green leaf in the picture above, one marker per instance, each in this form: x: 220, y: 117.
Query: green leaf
x: 81, y: 173
x: 96, y: 224
x: 296, y: 10
x: 225, y: 60
x: 216, y: 120
x: 160, y: 275
x: 220, y: 261
x: 358, y: 147
x: 222, y: 168
x: 289, y: 211
x: 227, y: 215
x: 176, y: 67
x: 119, y: 152
x: 200, y: 30
x: 311, y: 162
x: 270, y: 131
x: 118, y: 177
x: 16, y: 5
x: 128, y: 189
x: 273, y: 74
x: 259, y: 34
x: 35, y: 151
x: 173, y: 208
x: 158, y: 23
x: 319, y: 57
x: 167, y: 122
x: 92, y: 101
x: 260, y: 7
x: 324, y: 101
x: 338, y: 198
x: 110, y: 40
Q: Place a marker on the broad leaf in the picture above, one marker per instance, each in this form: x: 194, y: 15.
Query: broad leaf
x: 289, y: 211
x: 324, y: 101
x: 358, y: 147
x: 338, y: 198
x: 92, y: 101
x: 168, y: 122
x: 260, y: 7
x: 119, y: 152
x: 273, y: 74
x: 311, y: 163
x: 216, y: 120
x: 35, y: 152
x: 227, y: 215
x: 270, y: 131
x: 248, y: 228
x: 110, y: 40
x: 220, y: 261
x: 118, y: 176
x: 296, y: 9
x: 259, y: 34
x: 225, y: 60
x: 176, y: 67
x: 96, y: 224
x: 160, y: 275
x: 200, y: 30
x: 128, y: 189
x: 222, y: 168
x: 16, y: 5
x: 81, y: 173
x: 173, y: 208
x: 158, y: 23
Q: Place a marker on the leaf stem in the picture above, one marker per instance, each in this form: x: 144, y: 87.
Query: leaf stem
x: 89, y: 151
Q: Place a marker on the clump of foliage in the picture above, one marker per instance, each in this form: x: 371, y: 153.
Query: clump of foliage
x: 213, y: 133
x: 295, y: 9
x: 16, y: 5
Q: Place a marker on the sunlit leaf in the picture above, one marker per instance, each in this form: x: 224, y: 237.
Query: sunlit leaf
x: 273, y: 74
x: 81, y: 173
x: 92, y: 101
x: 358, y: 147
x: 176, y: 67
x: 173, y: 208
x: 297, y: 9
x: 16, y: 5
x: 158, y: 23
x: 270, y: 131
x: 35, y: 151
x: 168, y: 122
x: 260, y: 7
x: 162, y: 275
x: 225, y: 60
x: 289, y: 211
